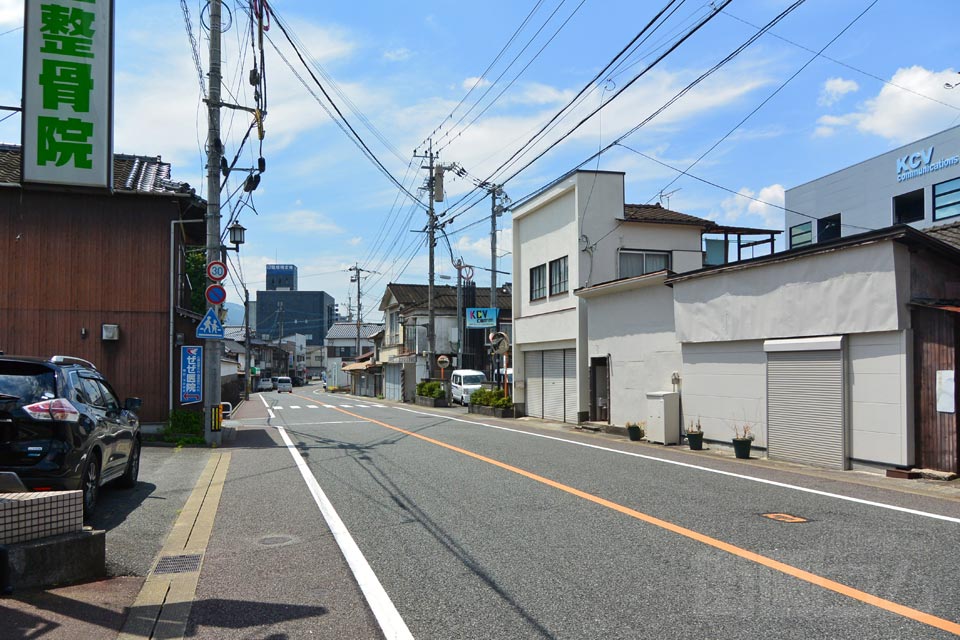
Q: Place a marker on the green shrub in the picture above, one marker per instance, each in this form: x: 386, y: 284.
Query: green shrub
x: 431, y: 389
x: 480, y: 397
x: 503, y: 403
x: 185, y: 423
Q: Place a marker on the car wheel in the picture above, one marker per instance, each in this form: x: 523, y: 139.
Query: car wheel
x: 129, y: 478
x: 90, y: 484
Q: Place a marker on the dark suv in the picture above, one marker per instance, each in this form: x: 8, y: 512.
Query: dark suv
x: 62, y: 427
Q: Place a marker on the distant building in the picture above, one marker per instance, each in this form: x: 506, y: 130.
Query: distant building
x: 281, y: 277
x: 917, y: 184
x: 283, y: 310
x: 341, y: 348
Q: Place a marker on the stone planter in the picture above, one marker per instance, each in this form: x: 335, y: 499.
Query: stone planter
x: 425, y: 401
x: 493, y: 412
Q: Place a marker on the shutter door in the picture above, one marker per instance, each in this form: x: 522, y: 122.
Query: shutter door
x: 553, y: 385
x: 393, y: 389
x: 805, y: 408
x: 571, y: 397
x: 533, y: 372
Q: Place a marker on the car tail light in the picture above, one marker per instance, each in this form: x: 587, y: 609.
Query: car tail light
x: 57, y: 409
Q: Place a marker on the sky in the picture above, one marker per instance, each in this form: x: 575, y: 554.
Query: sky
x: 828, y: 85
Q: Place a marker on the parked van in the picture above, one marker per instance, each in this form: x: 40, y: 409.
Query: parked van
x: 284, y: 383
x: 463, y: 382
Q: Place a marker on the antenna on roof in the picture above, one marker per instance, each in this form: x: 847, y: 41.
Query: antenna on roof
x: 666, y: 196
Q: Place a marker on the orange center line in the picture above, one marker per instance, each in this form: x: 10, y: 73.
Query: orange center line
x: 812, y: 578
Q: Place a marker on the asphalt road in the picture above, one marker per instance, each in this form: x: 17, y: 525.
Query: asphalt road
x: 475, y: 531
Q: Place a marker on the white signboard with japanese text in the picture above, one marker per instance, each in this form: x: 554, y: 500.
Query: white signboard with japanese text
x: 68, y: 92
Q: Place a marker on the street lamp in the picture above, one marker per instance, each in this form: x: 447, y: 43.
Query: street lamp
x: 237, y: 232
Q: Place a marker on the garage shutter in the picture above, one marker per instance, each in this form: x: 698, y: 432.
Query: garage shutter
x: 393, y: 390
x: 533, y: 368
x: 805, y: 407
x: 571, y: 398
x: 553, y: 385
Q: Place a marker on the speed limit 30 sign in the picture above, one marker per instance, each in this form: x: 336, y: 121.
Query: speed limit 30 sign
x: 216, y: 270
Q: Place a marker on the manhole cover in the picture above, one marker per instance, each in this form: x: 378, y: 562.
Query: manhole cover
x: 178, y: 564
x: 784, y: 517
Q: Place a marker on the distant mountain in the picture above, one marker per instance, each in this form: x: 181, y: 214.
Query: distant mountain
x: 234, y: 313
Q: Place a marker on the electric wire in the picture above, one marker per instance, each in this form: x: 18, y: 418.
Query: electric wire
x: 339, y: 119
x: 484, y: 74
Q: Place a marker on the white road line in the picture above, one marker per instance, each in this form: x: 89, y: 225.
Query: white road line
x: 329, y: 406
x: 312, y: 406
x: 271, y: 414
x: 361, y: 406
x: 388, y: 617
x: 264, y: 401
x: 379, y: 406
x: 346, y: 406
x: 881, y: 505
x: 294, y: 406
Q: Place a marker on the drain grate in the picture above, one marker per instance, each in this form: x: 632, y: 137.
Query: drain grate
x: 178, y: 564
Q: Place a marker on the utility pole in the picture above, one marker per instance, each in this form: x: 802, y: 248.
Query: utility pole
x: 357, y: 270
x: 246, y: 341
x: 211, y: 354
x: 431, y: 230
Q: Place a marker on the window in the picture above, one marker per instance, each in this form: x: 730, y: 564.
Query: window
x: 637, y: 263
x: 828, y: 228
x: 946, y: 199
x: 908, y: 207
x: 538, y: 282
x: 558, y: 276
x: 393, y: 335
x: 801, y: 234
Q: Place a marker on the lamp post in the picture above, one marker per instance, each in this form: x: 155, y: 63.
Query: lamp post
x: 237, y: 233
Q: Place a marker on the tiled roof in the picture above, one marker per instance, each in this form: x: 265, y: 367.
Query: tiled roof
x: 656, y: 213
x: 445, y: 296
x: 949, y: 233
x: 143, y: 174
x: 349, y: 330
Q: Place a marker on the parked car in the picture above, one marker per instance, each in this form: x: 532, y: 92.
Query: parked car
x: 264, y: 385
x: 63, y: 428
x: 284, y: 383
x: 463, y: 382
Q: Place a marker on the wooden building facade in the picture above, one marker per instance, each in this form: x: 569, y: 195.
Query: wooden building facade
x: 99, y: 275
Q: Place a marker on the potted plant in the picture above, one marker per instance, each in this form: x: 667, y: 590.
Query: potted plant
x: 695, y: 435
x: 742, y: 439
x: 636, y: 430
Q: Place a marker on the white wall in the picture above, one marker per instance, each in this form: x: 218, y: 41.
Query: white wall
x: 725, y: 384
x: 840, y: 292
x: 636, y: 329
x: 880, y: 398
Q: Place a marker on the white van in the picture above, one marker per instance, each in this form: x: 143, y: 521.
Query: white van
x: 463, y: 382
x: 284, y: 383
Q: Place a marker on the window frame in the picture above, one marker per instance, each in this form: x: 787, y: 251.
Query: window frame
x: 794, y: 234
x: 542, y: 288
x: 946, y: 193
x: 645, y: 253
x: 906, y: 197
x: 558, y: 287
x: 825, y: 223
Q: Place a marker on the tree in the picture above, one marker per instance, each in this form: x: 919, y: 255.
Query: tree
x: 197, y: 278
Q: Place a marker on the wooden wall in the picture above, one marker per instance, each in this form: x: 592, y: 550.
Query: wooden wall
x: 936, y: 338
x: 72, y: 262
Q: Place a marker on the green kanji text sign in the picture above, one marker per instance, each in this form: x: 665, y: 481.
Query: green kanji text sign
x: 67, y: 92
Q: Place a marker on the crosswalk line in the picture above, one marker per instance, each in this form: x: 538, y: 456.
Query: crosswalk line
x: 293, y: 406
x: 312, y: 406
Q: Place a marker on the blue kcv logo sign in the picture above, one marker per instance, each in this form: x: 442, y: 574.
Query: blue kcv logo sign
x: 478, y: 318
x: 921, y: 162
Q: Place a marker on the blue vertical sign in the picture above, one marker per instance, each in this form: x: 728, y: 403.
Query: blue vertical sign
x: 191, y: 375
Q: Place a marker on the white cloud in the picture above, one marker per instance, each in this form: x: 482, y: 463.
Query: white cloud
x: 354, y: 241
x: 767, y: 205
x: 304, y: 221
x: 475, y: 83
x: 397, y: 55
x: 901, y: 116
x: 11, y: 13
x: 834, y: 89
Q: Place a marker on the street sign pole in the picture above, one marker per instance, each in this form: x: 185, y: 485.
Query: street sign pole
x: 211, y: 356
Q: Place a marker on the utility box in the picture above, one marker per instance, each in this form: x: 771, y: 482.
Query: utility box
x: 663, y: 417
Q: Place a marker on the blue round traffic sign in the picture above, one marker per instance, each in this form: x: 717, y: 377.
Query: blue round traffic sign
x: 216, y: 294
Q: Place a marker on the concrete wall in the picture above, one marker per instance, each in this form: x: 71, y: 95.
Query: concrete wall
x: 840, y: 292
x: 725, y: 384
x: 880, y: 397
x: 635, y: 329
x: 863, y: 193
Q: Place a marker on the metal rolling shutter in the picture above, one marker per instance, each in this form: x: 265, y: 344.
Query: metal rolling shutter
x: 393, y: 389
x: 553, y: 385
x: 571, y: 397
x: 805, y: 407
x: 533, y: 368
